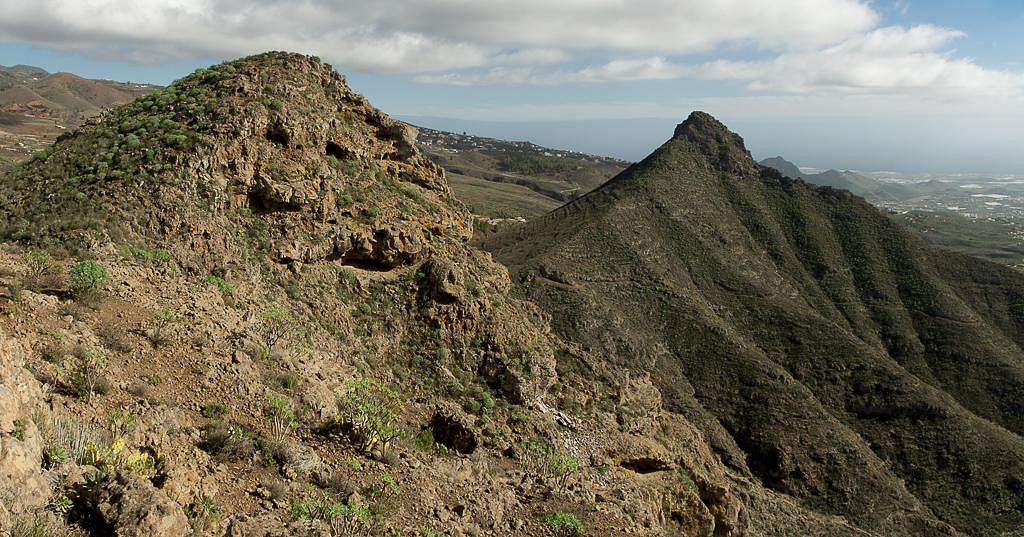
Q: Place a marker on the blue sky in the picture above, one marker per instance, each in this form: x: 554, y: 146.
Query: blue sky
x: 909, y: 85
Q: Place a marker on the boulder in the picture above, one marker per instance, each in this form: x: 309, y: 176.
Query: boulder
x: 133, y: 507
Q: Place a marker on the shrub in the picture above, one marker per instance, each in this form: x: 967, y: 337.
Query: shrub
x: 164, y: 319
x: 113, y: 338
x: 564, y: 523
x: 86, y: 378
x: 214, y: 411
x: 282, y: 417
x: 144, y: 255
x: 225, y: 288
x: 121, y: 423
x: 42, y: 272
x: 277, y: 324
x: 370, y: 412
x: 87, y: 278
x: 228, y: 442
x: 68, y: 439
x: 342, y: 518
x: 562, y: 466
x: 426, y: 442
x: 54, y: 456
x: 203, y: 513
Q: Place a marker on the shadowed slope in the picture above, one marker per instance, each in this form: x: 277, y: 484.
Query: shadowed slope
x: 816, y: 343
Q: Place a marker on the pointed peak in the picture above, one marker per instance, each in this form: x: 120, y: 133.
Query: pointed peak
x: 703, y: 129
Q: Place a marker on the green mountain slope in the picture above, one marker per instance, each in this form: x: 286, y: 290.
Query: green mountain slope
x: 823, y: 350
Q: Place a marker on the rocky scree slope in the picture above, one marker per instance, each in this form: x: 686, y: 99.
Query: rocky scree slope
x: 823, y: 351
x: 250, y: 309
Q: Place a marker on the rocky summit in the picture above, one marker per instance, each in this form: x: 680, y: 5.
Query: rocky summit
x: 826, y: 357
x: 247, y: 304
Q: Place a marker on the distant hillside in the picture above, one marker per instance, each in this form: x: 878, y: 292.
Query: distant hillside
x: 37, y: 106
x: 531, y: 179
x: 998, y: 240
x: 870, y: 188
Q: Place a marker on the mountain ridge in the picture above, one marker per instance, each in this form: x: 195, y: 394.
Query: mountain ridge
x: 699, y: 244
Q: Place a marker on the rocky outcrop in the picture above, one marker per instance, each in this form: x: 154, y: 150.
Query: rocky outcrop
x: 22, y: 483
x: 133, y: 507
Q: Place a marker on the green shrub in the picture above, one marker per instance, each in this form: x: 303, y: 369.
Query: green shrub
x: 341, y: 517
x: 164, y: 319
x: 277, y: 324
x: 86, y: 378
x: 562, y: 466
x: 214, y: 411
x: 370, y: 412
x: 426, y: 442
x: 120, y: 423
x: 87, y: 278
x: 203, y: 513
x: 225, y: 288
x: 282, y: 417
x: 564, y: 523
x: 42, y: 272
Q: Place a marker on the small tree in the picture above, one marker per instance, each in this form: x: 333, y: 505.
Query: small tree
x: 562, y: 466
x: 87, y: 278
x: 370, y: 412
x: 277, y: 323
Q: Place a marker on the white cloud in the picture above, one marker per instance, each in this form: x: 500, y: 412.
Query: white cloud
x: 889, y: 60
x: 885, y: 61
x: 655, y: 68
x: 412, y: 36
x: 746, y: 107
x: 810, y: 46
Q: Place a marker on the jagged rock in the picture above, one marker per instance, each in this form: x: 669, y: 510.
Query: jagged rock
x: 133, y: 507
x: 685, y: 510
x: 726, y: 510
x: 279, y: 154
x: 639, y: 405
x: 22, y: 484
x: 516, y: 362
x: 445, y: 279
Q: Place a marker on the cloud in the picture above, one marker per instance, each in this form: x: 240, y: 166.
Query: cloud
x: 745, y: 107
x: 891, y: 60
x: 654, y: 68
x: 802, y: 46
x: 415, y: 36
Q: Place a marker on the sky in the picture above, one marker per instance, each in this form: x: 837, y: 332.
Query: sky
x: 908, y: 85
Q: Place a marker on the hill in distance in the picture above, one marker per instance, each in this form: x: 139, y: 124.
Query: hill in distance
x: 37, y: 106
x: 870, y: 188
x: 499, y: 178
x: 822, y: 350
